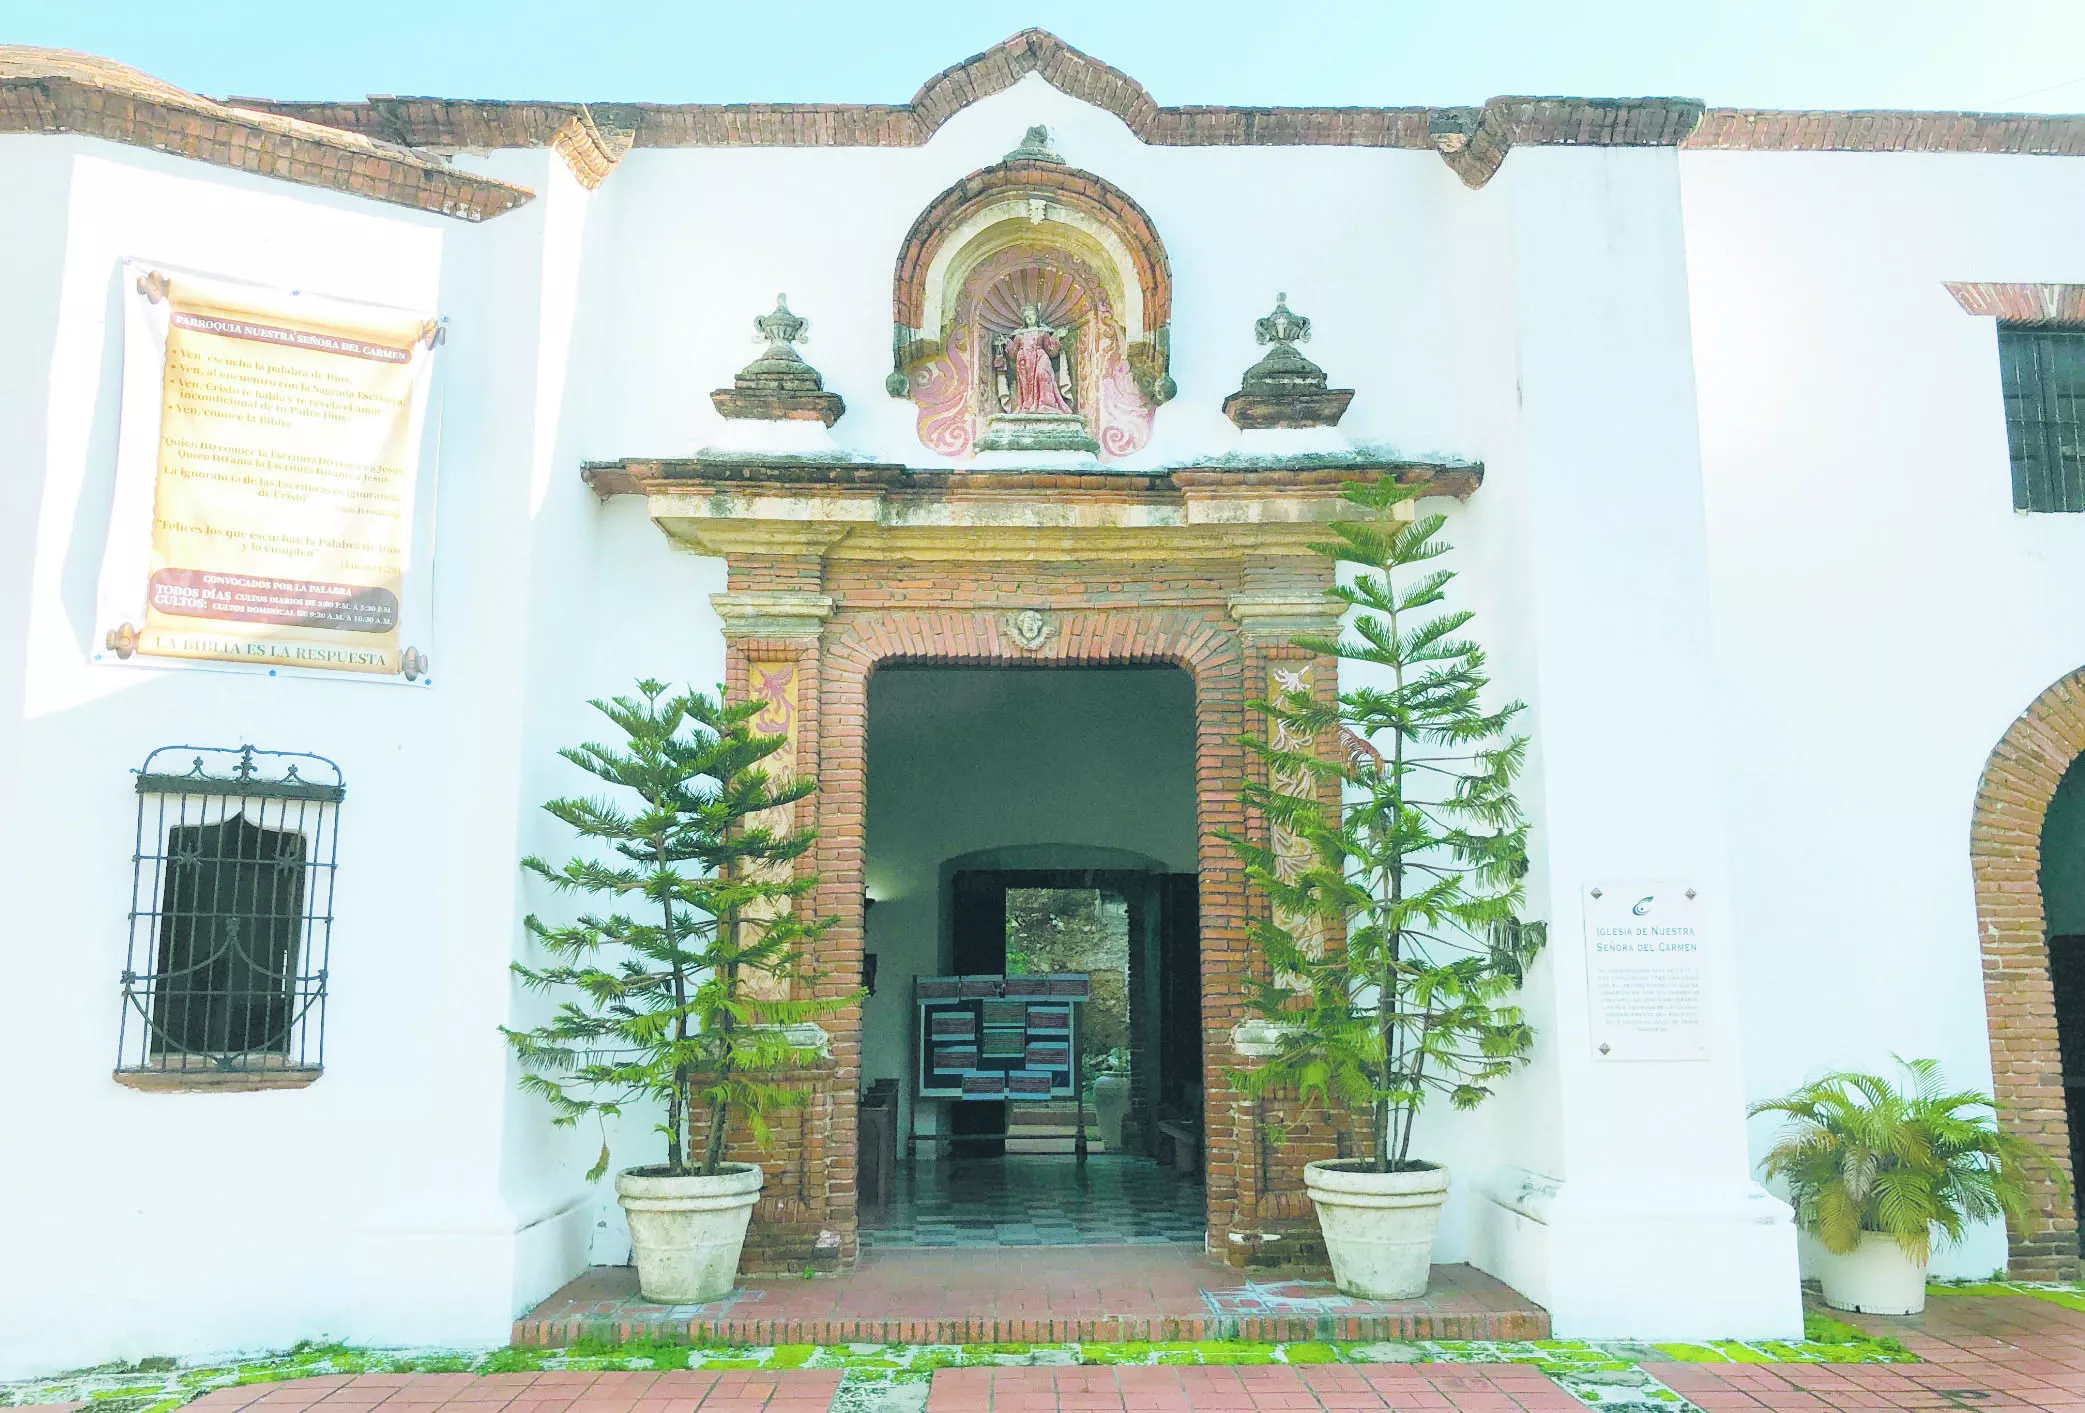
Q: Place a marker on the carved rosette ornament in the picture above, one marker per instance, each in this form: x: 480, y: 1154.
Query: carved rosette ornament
x: 1029, y: 629
x: 779, y: 386
x: 1285, y: 389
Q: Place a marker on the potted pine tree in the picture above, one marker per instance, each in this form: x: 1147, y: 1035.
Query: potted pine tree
x: 1875, y: 1168
x: 1394, y: 946
x: 658, y: 1009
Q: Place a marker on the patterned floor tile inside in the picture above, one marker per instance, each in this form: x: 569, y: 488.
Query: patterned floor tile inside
x: 1038, y: 1200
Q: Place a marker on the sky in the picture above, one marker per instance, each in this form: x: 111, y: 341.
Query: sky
x: 2010, y: 55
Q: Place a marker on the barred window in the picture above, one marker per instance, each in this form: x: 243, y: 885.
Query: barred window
x: 231, y: 919
x: 2043, y: 373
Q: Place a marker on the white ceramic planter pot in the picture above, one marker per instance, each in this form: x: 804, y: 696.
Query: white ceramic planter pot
x: 1110, y: 1104
x: 1875, y: 1278
x: 1378, y: 1226
x: 686, y: 1232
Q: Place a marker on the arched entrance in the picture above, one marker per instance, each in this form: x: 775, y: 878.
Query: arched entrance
x: 836, y: 571
x: 2020, y: 782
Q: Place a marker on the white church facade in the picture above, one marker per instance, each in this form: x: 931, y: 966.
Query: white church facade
x: 1761, y: 439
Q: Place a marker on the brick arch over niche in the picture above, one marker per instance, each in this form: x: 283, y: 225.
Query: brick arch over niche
x: 1034, y: 179
x: 1062, y: 206
x: 2012, y: 801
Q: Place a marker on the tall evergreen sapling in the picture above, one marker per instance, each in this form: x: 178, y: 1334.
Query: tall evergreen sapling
x: 663, y: 1012
x: 1394, y: 941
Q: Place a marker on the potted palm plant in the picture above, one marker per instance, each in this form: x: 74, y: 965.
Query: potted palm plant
x: 1874, y: 1169
x: 659, y: 1009
x: 1394, y: 945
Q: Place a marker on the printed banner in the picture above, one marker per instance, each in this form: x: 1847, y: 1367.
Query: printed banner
x: 275, y: 438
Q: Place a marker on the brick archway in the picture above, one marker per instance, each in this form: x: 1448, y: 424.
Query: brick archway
x: 1201, y: 643
x: 870, y: 614
x: 2012, y: 801
x: 834, y: 569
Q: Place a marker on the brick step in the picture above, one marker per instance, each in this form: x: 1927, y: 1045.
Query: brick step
x: 1029, y: 1295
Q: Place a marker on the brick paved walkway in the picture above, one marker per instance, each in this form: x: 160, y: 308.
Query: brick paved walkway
x: 2012, y: 1353
x: 678, y: 1391
x: 2008, y: 1352
x: 1035, y: 1295
x: 1335, y: 1388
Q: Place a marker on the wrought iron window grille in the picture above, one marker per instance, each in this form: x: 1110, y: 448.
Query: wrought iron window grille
x: 231, y: 917
x: 2042, y: 371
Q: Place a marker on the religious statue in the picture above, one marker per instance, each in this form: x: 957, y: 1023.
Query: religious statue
x: 1032, y: 367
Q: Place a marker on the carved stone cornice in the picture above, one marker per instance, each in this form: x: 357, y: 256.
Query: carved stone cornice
x: 1285, y: 614
x: 751, y: 613
x: 861, y: 511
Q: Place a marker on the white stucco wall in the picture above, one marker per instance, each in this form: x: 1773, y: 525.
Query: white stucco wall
x: 1882, y: 614
x: 410, y: 1195
x: 707, y: 237
x: 1745, y: 546
x: 374, y: 1167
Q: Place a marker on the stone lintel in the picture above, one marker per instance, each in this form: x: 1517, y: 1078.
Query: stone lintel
x: 760, y: 613
x: 1253, y: 412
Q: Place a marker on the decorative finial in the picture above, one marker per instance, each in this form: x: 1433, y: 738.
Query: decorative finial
x: 1035, y: 147
x: 1283, y: 326
x: 779, y: 386
x: 782, y: 329
x: 1285, y: 389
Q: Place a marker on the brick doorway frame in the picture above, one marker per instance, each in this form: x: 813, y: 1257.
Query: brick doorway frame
x: 834, y: 569
x: 2012, y: 802
x: 1202, y: 638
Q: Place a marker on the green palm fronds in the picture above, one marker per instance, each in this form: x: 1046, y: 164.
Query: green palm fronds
x: 1394, y: 942
x: 658, y: 1006
x: 1861, y: 1154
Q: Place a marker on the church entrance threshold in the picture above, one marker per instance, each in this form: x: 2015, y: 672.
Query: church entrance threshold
x: 1038, y: 1200
x: 1039, y: 1295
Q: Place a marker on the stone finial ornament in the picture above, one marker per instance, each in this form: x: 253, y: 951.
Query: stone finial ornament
x: 1035, y: 147
x: 1284, y: 326
x: 783, y: 330
x: 1285, y: 389
x: 779, y: 386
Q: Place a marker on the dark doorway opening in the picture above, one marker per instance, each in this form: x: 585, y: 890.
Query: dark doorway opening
x: 1039, y: 827
x: 2067, y: 977
x: 2063, y: 912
